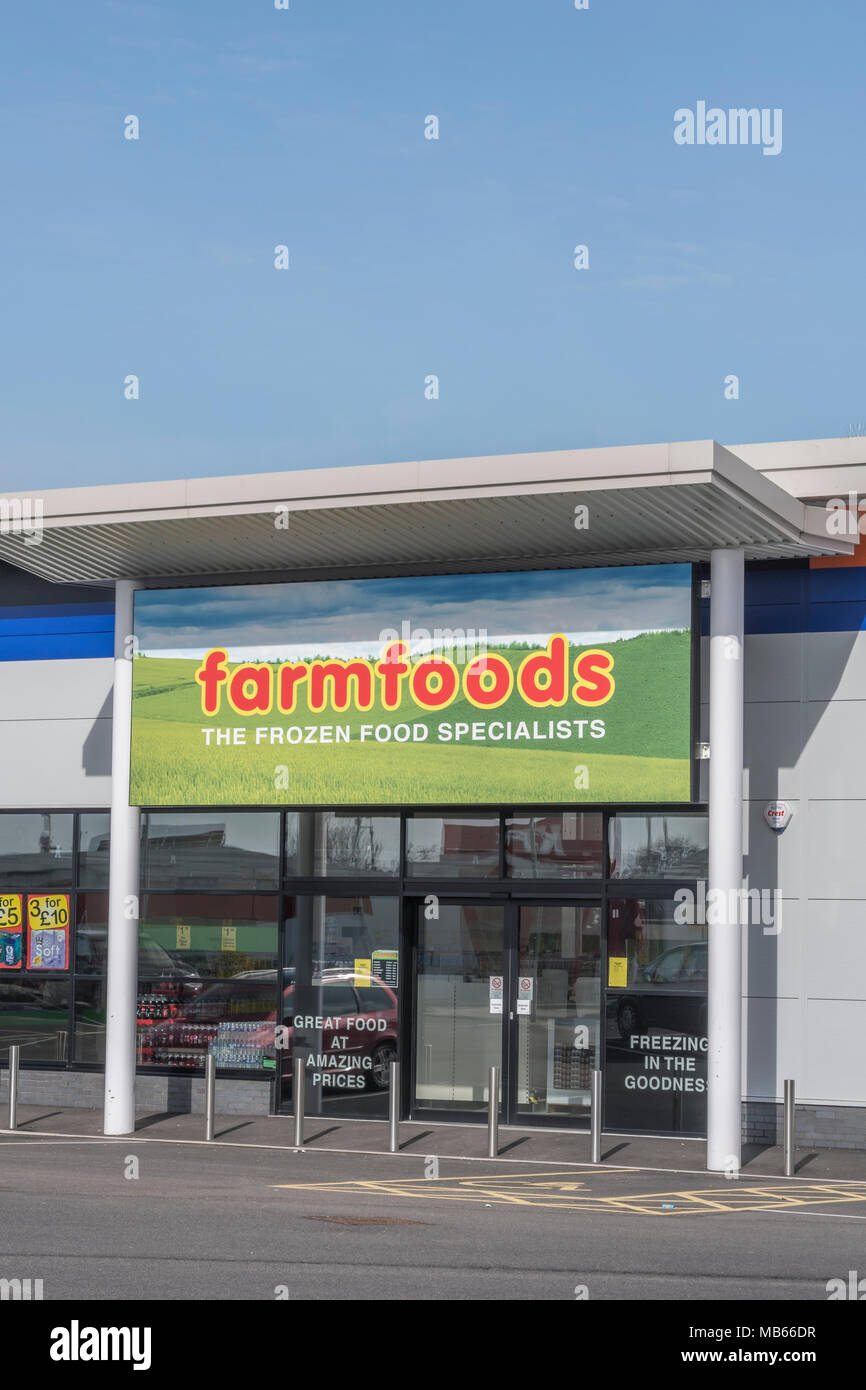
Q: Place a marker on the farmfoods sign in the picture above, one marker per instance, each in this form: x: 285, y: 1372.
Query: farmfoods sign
x: 564, y: 686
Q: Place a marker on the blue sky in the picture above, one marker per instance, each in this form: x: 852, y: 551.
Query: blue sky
x: 348, y: 616
x: 412, y: 257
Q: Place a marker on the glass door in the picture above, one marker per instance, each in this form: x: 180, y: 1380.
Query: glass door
x: 513, y: 985
x: 556, y: 1004
x: 461, y: 1004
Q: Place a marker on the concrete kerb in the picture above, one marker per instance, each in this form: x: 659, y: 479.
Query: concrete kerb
x: 503, y: 1159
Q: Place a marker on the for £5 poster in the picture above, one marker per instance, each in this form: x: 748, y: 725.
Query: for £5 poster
x: 47, y: 931
x: 11, y: 931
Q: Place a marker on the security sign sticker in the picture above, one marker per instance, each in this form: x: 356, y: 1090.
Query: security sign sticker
x: 525, y: 989
x: 496, y: 994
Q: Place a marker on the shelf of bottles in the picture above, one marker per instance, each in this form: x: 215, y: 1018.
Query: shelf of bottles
x: 168, y: 1035
x: 238, y: 1047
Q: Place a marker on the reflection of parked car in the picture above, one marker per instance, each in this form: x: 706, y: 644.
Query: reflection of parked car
x: 153, y: 960
x: 682, y: 970
x: 360, y: 1032
x: 361, y: 1018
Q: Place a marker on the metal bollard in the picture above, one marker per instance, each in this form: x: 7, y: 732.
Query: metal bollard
x: 209, y: 1094
x: 298, y: 1100
x: 14, y: 1059
x: 394, y: 1110
x: 789, y: 1129
x: 595, y: 1115
x: 493, y: 1115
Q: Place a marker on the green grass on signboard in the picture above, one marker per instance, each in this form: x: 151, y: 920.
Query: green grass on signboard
x: 171, y: 771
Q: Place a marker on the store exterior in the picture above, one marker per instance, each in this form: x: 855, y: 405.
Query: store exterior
x: 442, y: 763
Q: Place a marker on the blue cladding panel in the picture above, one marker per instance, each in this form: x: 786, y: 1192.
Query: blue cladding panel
x: 39, y: 626
x: 802, y: 600
x: 795, y: 599
x: 837, y: 585
x: 54, y: 631
x: 776, y: 586
x: 784, y: 617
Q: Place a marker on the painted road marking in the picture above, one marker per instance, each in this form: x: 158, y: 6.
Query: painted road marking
x: 560, y: 1192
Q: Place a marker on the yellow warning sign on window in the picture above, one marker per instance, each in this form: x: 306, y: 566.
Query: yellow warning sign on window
x: 183, y: 937
x: 363, y: 970
x: 229, y: 939
x: 617, y: 972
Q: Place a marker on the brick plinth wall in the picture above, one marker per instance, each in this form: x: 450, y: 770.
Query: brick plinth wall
x: 817, y: 1126
x: 182, y: 1095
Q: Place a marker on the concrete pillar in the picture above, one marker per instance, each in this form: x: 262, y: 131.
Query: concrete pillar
x: 725, y: 860
x: 123, y: 887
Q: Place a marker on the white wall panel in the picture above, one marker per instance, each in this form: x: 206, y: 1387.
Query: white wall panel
x: 834, y: 755
x: 772, y: 1046
x: 56, y: 689
x: 833, y: 1053
x: 772, y: 740
x: 834, y: 853
x: 835, y: 665
x: 772, y: 961
x: 54, y: 762
x: 774, y: 860
x: 834, y: 950
x: 772, y: 666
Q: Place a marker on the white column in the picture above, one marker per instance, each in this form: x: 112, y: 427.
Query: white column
x: 726, y: 859
x: 123, y: 886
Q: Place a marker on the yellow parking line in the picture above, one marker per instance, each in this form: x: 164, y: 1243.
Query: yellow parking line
x: 557, y: 1191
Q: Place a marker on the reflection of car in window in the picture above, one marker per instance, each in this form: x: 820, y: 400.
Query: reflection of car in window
x: 682, y: 970
x: 153, y: 959
x: 250, y: 997
x: 372, y: 1037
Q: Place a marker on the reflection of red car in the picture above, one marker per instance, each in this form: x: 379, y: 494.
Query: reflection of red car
x: 349, y: 1026
x: 349, y: 1031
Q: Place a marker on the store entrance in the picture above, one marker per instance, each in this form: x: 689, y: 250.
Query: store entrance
x: 509, y: 983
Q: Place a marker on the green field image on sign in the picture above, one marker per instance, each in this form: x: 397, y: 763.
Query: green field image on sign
x: 643, y: 756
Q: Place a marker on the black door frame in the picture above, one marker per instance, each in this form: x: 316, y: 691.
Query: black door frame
x: 511, y: 903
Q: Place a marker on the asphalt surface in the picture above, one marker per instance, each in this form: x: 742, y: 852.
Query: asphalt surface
x: 229, y: 1222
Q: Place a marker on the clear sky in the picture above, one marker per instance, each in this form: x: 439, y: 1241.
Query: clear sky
x: 411, y: 257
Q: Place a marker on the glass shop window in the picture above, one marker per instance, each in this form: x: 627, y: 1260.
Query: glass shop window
x: 452, y: 847
x: 94, y: 840
x: 340, y: 1010
x: 649, y: 949
x: 35, y: 850
x: 658, y: 846
x: 207, y: 935
x: 34, y: 1014
x: 213, y: 849
x: 554, y: 844
x: 332, y: 844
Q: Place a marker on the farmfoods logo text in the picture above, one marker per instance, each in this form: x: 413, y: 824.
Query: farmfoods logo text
x: 542, y: 680
x: 309, y: 694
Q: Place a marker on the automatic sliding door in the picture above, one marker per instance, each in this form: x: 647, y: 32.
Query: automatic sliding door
x: 558, y: 998
x: 461, y: 995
